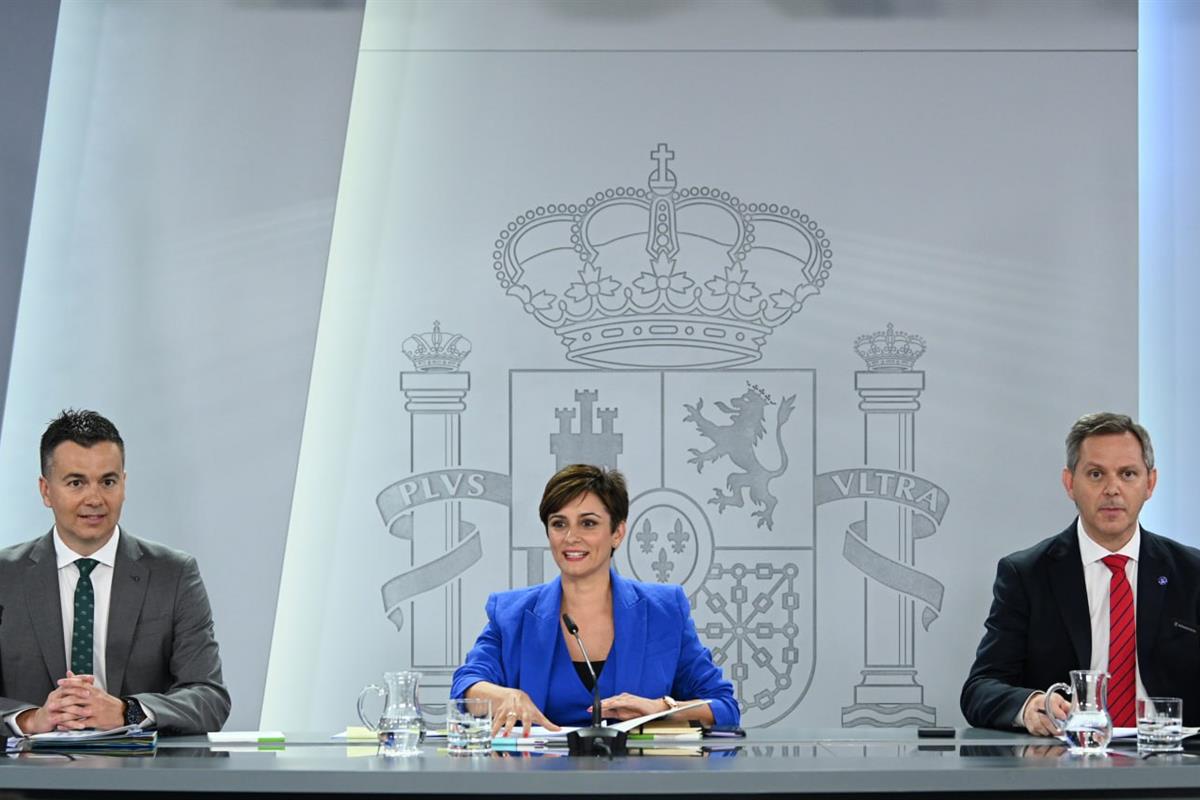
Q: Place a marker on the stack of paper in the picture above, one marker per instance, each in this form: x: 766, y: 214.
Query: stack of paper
x: 127, y: 740
x: 667, y: 730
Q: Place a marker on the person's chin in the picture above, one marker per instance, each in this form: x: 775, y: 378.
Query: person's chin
x: 577, y: 569
x: 1111, y: 529
x: 93, y: 529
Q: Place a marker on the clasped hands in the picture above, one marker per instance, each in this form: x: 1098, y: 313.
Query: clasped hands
x: 516, y: 709
x: 76, y: 704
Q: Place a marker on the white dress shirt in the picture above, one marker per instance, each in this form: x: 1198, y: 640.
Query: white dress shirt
x: 68, y: 578
x: 1098, y: 578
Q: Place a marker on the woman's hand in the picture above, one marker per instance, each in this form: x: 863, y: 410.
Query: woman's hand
x: 629, y: 706
x: 512, y: 707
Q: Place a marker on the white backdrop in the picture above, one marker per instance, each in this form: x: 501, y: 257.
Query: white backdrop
x: 972, y: 167
x: 979, y: 193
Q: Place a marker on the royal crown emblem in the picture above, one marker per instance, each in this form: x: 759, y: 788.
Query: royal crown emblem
x: 690, y: 277
x: 435, y: 351
x: 890, y: 350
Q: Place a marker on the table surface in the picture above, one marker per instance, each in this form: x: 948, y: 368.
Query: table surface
x: 784, y: 762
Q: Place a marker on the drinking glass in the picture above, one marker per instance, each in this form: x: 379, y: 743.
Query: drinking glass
x: 469, y: 726
x: 1159, y: 724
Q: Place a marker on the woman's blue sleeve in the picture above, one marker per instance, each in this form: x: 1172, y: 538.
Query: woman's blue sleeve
x: 484, y: 661
x: 697, y: 677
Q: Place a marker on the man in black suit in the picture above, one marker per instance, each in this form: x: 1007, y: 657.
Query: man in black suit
x: 99, y: 629
x: 1105, y: 594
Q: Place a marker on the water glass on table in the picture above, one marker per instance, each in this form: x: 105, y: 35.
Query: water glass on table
x: 469, y: 726
x: 1159, y: 724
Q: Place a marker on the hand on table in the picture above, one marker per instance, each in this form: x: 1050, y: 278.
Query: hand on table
x: 515, y: 708
x: 629, y: 706
x: 1034, y: 716
x: 74, y: 705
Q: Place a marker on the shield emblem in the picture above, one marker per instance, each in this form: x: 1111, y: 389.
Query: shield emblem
x: 721, y: 467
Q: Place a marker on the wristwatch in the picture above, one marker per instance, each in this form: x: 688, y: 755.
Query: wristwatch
x: 671, y: 702
x: 134, y: 715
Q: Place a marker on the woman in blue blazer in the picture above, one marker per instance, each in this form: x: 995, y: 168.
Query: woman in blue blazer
x: 640, y: 636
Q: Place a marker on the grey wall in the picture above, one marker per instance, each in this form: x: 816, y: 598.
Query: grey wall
x: 174, y: 275
x: 26, y: 47
x: 972, y: 164
x: 970, y: 169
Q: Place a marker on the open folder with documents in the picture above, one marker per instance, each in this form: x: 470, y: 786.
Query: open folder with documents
x: 543, y: 737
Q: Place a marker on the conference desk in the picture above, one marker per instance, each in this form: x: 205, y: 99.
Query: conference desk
x: 795, y: 763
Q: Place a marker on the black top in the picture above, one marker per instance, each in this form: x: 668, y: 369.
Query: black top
x: 581, y: 667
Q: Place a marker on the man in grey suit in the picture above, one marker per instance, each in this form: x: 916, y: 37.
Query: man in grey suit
x: 99, y: 629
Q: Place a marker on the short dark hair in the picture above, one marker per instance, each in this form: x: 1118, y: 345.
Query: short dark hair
x: 1102, y: 423
x: 577, y: 479
x: 84, y: 428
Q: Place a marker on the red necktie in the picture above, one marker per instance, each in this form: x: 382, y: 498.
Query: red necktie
x: 1122, y: 645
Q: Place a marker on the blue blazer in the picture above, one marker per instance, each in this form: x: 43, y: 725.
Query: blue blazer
x: 655, y: 652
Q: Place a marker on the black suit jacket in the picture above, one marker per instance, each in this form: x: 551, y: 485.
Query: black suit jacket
x: 1038, y: 629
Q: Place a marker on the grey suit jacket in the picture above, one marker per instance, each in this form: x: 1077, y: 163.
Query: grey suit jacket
x: 160, y: 647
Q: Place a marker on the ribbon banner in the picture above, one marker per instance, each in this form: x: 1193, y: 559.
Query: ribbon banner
x: 926, y: 498
x: 894, y: 574
x: 396, y: 504
x: 397, y: 501
x: 865, y: 483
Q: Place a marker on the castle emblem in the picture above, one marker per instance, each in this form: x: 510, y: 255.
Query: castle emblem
x: 663, y: 276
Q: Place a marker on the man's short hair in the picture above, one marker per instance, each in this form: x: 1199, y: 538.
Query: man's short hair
x: 84, y: 428
x: 1102, y: 423
x: 577, y: 479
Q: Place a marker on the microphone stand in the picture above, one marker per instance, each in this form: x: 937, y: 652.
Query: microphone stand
x: 596, y: 740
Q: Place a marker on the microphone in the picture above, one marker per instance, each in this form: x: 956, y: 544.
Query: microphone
x: 573, y: 629
x: 597, y: 739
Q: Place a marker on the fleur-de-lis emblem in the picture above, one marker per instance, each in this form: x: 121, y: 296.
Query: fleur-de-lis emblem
x: 663, y: 567
x: 678, y: 537
x: 646, y: 537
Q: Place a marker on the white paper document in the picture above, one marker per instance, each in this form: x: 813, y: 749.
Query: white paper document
x: 1131, y: 733
x: 66, y: 737
x: 245, y: 737
x: 539, y: 735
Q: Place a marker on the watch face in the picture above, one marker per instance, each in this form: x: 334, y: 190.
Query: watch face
x: 133, y: 712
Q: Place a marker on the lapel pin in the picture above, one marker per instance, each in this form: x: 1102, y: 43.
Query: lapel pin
x: 1162, y: 580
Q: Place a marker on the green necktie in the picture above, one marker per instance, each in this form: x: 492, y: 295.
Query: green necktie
x: 85, y: 611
